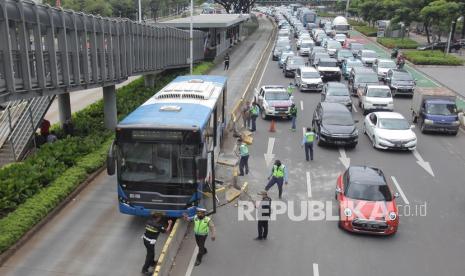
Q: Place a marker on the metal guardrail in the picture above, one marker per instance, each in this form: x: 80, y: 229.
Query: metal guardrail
x: 47, y: 51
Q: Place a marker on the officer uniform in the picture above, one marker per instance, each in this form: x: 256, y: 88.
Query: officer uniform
x: 264, y: 213
x: 244, y: 161
x: 278, y: 176
x: 153, y: 228
x: 293, y: 113
x: 307, y: 142
x: 290, y: 89
x: 202, y: 226
x: 254, y: 111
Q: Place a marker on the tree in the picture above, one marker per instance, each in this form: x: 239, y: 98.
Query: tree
x: 439, y: 13
x: 236, y: 6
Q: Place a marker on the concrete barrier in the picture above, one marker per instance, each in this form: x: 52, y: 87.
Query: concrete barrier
x: 170, y: 249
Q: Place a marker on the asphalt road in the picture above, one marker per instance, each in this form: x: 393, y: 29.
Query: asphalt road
x: 425, y: 244
x: 90, y: 236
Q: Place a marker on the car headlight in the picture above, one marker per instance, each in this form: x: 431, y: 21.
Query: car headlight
x: 411, y: 140
x: 347, y: 212
x: 456, y: 123
x: 355, y: 132
x: 382, y: 140
x: 392, y: 215
x: 428, y: 122
x: 323, y: 131
x: 390, y: 102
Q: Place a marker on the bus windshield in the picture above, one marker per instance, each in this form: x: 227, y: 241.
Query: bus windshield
x: 157, y: 162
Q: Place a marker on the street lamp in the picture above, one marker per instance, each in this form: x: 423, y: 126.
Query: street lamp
x: 452, y: 28
x: 140, y: 12
x: 347, y: 8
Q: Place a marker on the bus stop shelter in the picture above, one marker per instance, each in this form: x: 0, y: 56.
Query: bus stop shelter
x: 223, y: 30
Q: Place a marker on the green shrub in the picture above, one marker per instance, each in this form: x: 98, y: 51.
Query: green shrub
x: 400, y: 43
x: 431, y: 58
x: 29, y: 190
x: 366, y: 30
x: 356, y: 23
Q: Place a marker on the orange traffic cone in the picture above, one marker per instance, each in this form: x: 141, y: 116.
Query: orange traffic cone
x: 272, y: 126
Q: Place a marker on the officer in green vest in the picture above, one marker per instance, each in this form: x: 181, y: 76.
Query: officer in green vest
x: 153, y: 228
x: 293, y: 113
x: 278, y: 176
x: 254, y: 111
x: 244, y: 154
x: 290, y: 89
x: 307, y: 142
x: 202, y: 226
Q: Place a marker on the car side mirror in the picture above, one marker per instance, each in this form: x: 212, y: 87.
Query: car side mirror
x: 111, y: 160
x: 396, y: 195
x: 338, y: 190
x: 202, y: 164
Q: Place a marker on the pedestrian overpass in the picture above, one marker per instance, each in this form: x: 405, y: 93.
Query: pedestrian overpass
x: 48, y: 52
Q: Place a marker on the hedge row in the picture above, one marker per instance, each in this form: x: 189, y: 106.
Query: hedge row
x: 58, y: 168
x: 367, y: 30
x: 431, y: 58
x: 400, y: 43
x: 356, y: 23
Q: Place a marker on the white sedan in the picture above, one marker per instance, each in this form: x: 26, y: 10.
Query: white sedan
x: 389, y: 130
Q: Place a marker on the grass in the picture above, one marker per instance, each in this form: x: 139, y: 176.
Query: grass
x: 366, y: 30
x: 431, y: 58
x: 400, y: 43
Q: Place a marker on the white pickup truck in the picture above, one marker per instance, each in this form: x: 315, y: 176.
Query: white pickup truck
x: 375, y: 98
x: 274, y: 101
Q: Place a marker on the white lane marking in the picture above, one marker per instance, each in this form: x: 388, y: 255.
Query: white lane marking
x: 264, y: 69
x: 422, y: 163
x: 309, y: 185
x: 303, y: 130
x: 302, y: 105
x: 344, y: 159
x: 269, y: 153
x: 355, y: 109
x: 190, y: 267
x: 316, y: 271
x: 399, y: 189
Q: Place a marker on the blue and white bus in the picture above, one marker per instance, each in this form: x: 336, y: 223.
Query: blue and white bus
x: 165, y: 150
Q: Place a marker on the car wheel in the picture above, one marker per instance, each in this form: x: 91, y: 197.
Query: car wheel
x: 263, y: 115
x: 373, y: 142
x: 454, y: 133
x: 422, y: 126
x: 414, y: 118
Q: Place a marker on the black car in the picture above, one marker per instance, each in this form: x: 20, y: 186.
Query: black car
x: 333, y: 124
x: 361, y: 77
x: 292, y: 63
x: 336, y: 92
x: 440, y: 46
x: 400, y: 81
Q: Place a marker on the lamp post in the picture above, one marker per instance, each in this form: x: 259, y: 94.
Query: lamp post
x: 140, y: 12
x: 191, y: 38
x: 452, y: 28
x: 347, y: 8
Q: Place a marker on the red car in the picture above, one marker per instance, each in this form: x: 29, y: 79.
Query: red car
x: 366, y: 203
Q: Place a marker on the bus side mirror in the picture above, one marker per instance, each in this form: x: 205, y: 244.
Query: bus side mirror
x: 202, y: 165
x: 111, y: 167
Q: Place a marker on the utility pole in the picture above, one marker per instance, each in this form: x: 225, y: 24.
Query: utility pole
x: 140, y: 11
x: 191, y: 37
x: 347, y: 8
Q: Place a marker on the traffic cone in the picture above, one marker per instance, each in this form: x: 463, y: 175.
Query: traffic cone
x: 272, y: 126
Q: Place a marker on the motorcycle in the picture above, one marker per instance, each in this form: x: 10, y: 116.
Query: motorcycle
x: 400, y: 64
x: 394, y: 53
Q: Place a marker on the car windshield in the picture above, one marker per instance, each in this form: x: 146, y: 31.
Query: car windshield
x: 387, y: 64
x: 393, y: 123
x: 369, y: 54
x: 356, y: 46
x: 282, y: 43
x: 338, y: 91
x: 341, y: 27
x: 310, y: 75
x: 305, y: 45
x: 369, y: 192
x: 297, y: 61
x: 327, y: 64
x: 354, y: 63
x: 285, y: 55
x: 338, y: 119
x: 367, y: 78
x: 277, y: 96
x: 344, y: 53
x: 441, y: 109
x: 379, y: 93
x: 340, y: 36
x: 334, y: 45
x: 402, y: 77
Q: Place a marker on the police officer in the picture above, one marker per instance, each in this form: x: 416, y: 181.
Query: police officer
x: 226, y: 61
x: 278, y: 176
x: 290, y: 89
x: 254, y: 111
x: 153, y: 228
x: 264, y: 213
x: 293, y: 113
x: 202, y: 227
x: 307, y: 142
x: 244, y: 154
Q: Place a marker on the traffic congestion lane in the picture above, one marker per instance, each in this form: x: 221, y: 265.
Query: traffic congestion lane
x: 419, y: 239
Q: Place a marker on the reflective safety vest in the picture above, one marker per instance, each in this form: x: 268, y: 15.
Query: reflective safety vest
x: 278, y: 171
x: 152, y: 229
x: 254, y: 110
x: 309, y: 137
x: 201, y: 226
x: 290, y: 89
x: 244, y: 150
x: 293, y: 111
